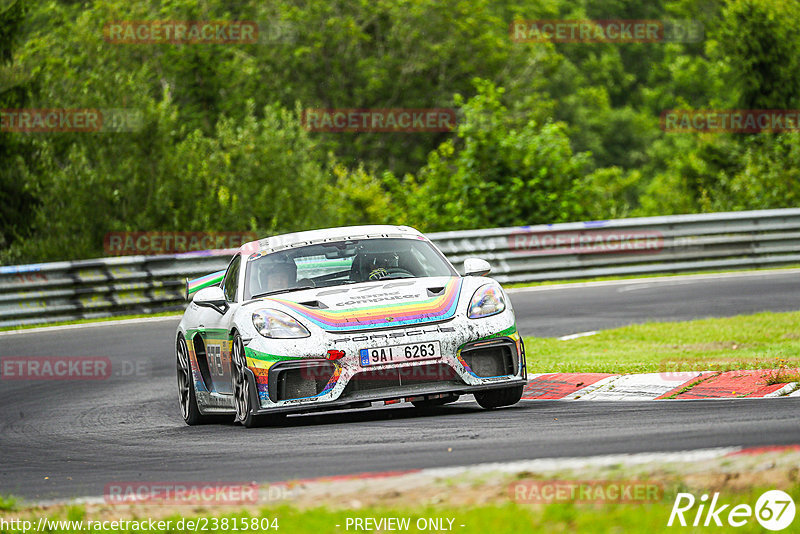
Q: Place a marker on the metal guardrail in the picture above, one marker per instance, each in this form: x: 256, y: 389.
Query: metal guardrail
x: 49, y: 292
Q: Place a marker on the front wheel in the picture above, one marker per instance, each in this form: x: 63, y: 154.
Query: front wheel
x: 495, y: 398
x: 242, y: 387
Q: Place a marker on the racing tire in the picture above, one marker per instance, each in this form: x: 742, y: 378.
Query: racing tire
x: 243, y: 399
x: 496, y: 398
x: 433, y: 403
x: 186, y: 395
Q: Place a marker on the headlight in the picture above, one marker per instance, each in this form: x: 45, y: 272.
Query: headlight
x: 487, y: 300
x: 278, y: 325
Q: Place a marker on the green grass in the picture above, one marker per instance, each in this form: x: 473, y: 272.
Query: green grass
x: 759, y: 341
x: 8, y: 502
x: 644, y: 275
x: 496, y: 518
x: 96, y: 320
x: 784, y: 375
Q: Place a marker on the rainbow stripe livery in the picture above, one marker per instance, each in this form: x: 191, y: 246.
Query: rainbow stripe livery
x: 193, y: 286
x: 438, y: 308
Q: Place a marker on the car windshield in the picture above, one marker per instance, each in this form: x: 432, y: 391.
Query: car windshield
x: 343, y: 262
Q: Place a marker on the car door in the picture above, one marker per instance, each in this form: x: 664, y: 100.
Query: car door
x: 216, y: 332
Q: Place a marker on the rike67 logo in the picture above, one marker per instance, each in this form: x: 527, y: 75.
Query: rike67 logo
x: 774, y: 510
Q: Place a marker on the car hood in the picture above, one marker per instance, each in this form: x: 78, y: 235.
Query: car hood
x: 375, y: 304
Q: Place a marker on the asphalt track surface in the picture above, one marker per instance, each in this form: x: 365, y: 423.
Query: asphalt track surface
x: 62, y: 439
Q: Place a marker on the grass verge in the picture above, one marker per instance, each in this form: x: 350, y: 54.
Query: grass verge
x: 7, y: 502
x: 499, y: 518
x: 469, y: 500
x: 760, y: 341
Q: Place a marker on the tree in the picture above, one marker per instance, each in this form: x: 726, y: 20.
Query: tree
x: 15, y: 150
x: 499, y: 172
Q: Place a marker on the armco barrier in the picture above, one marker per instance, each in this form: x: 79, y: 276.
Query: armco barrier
x: 49, y: 292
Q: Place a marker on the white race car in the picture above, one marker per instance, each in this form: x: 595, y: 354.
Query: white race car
x: 341, y: 318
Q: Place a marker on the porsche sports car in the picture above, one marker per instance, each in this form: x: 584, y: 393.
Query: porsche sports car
x: 341, y: 318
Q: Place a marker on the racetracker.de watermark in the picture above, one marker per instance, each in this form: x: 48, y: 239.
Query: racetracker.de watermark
x: 194, y: 32
x: 606, y: 31
x: 379, y: 120
x: 586, y: 242
x: 730, y: 120
x: 151, y: 243
x: 188, y: 492
x: 585, y: 491
x: 42, y: 120
x: 71, y: 368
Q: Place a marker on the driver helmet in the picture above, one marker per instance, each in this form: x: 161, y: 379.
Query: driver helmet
x: 280, y: 273
x: 377, y: 265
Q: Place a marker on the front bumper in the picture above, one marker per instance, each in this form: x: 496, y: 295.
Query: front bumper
x: 345, y: 384
x: 358, y: 400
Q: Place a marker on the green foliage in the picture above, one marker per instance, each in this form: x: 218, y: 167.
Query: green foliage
x: 769, y: 176
x: 759, y: 40
x: 252, y: 174
x: 15, y: 199
x: 547, y: 132
x: 610, y: 192
x: 8, y: 503
x: 357, y: 197
x: 498, y: 172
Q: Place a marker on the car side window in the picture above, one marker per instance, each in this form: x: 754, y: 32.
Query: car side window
x: 231, y: 281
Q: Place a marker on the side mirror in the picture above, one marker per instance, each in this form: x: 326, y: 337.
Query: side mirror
x: 476, y: 267
x: 211, y: 297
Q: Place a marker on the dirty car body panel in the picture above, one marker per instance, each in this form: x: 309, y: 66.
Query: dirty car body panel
x: 368, y: 313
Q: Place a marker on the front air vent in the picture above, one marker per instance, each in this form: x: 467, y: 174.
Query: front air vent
x: 492, y: 359
x: 410, y: 375
x: 314, y: 304
x: 299, y: 379
x: 202, y: 360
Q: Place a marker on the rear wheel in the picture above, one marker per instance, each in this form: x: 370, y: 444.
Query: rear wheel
x: 495, y: 398
x: 186, y: 395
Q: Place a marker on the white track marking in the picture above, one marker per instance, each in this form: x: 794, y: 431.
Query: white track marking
x: 45, y: 329
x: 576, y: 336
x: 785, y: 390
x: 588, y: 389
x: 645, y: 386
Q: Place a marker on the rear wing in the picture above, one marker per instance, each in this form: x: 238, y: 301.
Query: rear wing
x: 193, y: 286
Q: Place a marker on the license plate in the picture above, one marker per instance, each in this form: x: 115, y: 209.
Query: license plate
x: 411, y: 352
